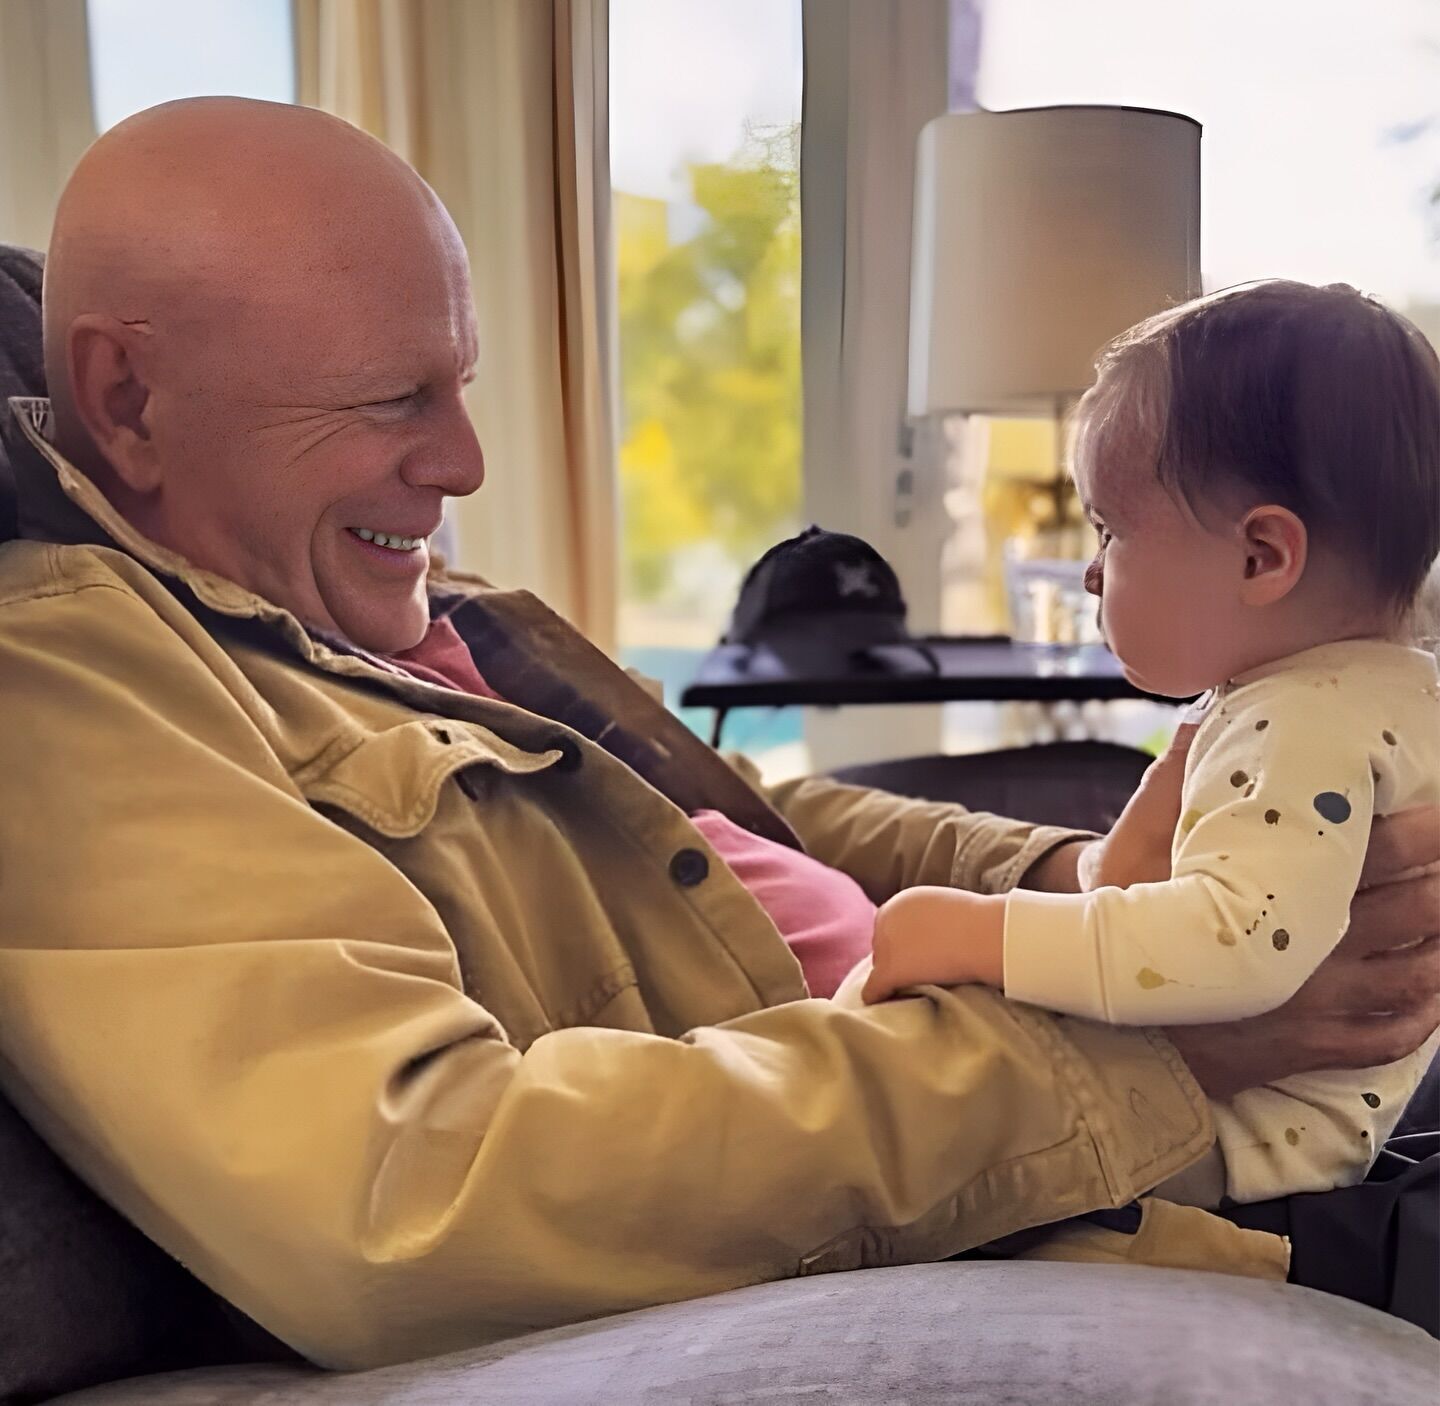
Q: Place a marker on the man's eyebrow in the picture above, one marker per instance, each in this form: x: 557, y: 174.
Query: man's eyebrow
x: 365, y: 376
x: 380, y: 381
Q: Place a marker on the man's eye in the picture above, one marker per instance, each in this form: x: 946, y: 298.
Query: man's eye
x: 398, y: 402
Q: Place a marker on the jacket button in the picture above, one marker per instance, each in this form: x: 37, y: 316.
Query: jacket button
x: 689, y: 867
x: 570, y: 757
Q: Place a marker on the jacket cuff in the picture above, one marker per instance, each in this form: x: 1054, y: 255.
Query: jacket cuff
x: 1000, y: 868
x: 1049, y: 959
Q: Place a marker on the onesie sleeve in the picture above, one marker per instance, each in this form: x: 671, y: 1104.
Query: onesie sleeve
x: 1274, y: 826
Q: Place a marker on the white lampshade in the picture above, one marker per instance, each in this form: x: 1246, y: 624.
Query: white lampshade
x: 1039, y: 235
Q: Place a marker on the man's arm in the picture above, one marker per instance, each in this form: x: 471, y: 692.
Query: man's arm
x: 890, y: 842
x: 1059, y: 869
x: 887, y: 843
x: 1373, y: 1000
x: 1137, y: 848
x: 247, y: 1029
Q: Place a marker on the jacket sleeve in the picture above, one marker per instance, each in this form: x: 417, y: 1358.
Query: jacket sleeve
x: 887, y: 843
x: 1275, y: 824
x: 247, y: 1029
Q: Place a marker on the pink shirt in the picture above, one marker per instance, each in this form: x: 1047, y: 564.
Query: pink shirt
x: 823, y: 915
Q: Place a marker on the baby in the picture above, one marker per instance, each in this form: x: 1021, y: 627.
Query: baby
x: 1263, y: 469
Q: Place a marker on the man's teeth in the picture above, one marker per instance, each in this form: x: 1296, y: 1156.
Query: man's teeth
x: 387, y: 539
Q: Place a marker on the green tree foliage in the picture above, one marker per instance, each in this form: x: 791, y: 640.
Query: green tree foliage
x: 710, y: 358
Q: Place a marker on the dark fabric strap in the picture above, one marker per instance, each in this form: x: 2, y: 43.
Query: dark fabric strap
x: 1377, y: 1243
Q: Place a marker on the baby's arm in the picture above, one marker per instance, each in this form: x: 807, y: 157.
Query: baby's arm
x: 1274, y: 826
x: 1275, y: 822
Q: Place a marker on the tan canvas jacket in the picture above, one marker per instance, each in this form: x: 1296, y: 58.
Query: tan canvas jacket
x: 411, y: 1020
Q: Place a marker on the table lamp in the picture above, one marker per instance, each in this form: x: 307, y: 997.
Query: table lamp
x: 1039, y: 234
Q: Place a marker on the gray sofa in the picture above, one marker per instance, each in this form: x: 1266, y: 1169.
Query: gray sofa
x: 92, y: 1312
x: 926, y: 1335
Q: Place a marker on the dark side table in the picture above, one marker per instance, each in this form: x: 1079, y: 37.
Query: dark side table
x: 929, y: 669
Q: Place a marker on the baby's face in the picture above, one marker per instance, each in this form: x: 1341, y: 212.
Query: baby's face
x: 1168, y: 585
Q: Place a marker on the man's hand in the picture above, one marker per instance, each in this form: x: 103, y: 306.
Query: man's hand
x: 1373, y: 1000
x: 936, y: 937
x: 1137, y: 849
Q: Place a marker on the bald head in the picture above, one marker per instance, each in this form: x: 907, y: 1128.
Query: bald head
x: 217, y: 206
x: 257, y: 325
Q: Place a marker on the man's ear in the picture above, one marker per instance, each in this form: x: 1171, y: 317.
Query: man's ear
x: 112, y: 398
x: 1276, y: 547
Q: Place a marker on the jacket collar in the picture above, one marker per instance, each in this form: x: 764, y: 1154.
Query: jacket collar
x: 533, y: 657
x: 58, y: 503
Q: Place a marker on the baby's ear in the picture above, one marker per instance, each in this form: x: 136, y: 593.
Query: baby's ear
x: 1276, y: 545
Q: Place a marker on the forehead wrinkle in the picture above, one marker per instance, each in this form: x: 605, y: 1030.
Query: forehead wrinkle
x: 394, y: 368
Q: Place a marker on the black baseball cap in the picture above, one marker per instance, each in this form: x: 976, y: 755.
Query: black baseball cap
x: 820, y: 583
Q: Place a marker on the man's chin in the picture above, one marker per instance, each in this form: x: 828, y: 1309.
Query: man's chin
x: 383, y: 627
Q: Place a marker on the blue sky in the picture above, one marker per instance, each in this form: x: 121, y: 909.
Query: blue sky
x: 146, y: 51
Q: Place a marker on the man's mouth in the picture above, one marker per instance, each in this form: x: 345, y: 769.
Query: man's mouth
x: 391, y: 540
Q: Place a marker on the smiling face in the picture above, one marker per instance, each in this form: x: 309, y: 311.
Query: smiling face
x: 1169, y: 605
x: 318, y: 430
x: 259, y: 327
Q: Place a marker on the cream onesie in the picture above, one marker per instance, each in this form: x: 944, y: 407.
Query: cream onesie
x: 1289, y: 765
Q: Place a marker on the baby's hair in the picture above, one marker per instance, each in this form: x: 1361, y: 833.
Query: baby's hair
x: 1322, y: 400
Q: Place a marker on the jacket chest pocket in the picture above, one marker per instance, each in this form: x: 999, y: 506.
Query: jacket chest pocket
x: 391, y: 781
x: 475, y: 864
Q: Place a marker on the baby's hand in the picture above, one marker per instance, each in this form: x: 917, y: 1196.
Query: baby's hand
x: 937, y: 937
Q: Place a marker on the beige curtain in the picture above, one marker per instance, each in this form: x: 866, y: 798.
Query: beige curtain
x: 503, y: 107
x: 46, y: 120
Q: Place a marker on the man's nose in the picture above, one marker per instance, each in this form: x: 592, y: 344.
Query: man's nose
x: 452, y: 461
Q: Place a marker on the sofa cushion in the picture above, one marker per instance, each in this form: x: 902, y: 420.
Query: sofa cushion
x: 22, y: 364
x: 84, y: 1296
x: 1087, y: 1335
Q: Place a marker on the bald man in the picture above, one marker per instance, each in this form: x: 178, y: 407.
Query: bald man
x: 387, y: 954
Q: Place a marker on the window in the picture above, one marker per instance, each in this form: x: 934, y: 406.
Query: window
x: 144, y: 52
x: 1321, y: 149
x: 705, y: 113
x: 1320, y: 160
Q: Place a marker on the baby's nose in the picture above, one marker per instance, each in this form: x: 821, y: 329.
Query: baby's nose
x: 1095, y: 577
